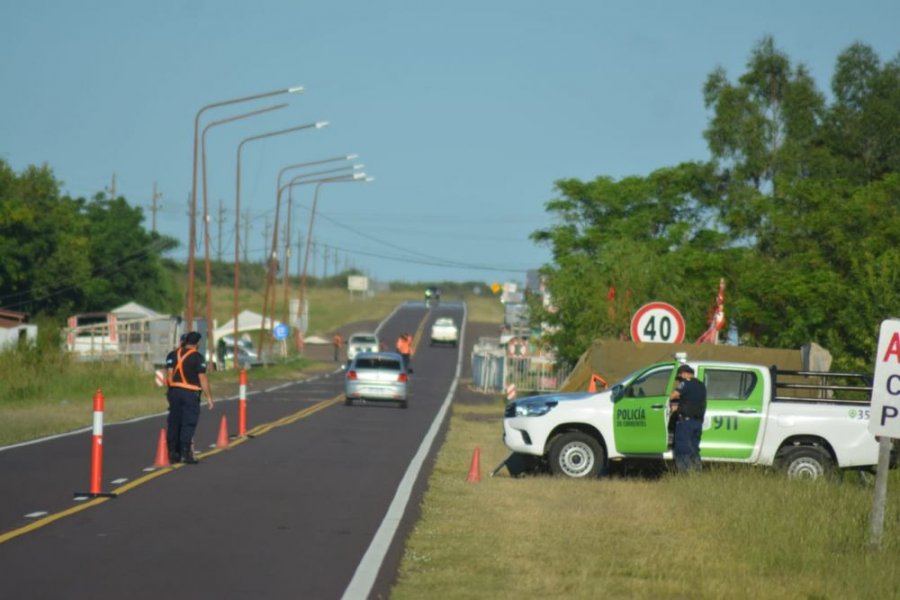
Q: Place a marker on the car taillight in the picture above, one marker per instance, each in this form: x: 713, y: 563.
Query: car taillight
x: 403, y: 378
x: 351, y: 375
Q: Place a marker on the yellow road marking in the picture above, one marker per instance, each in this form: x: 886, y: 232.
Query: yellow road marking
x: 256, y: 431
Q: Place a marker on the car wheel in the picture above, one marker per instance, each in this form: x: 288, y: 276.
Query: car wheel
x: 403, y: 404
x: 348, y: 401
x: 805, y: 462
x: 576, y: 454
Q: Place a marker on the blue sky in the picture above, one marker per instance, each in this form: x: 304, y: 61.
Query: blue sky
x: 465, y: 112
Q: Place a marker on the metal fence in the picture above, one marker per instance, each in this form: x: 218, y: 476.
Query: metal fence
x: 493, y: 369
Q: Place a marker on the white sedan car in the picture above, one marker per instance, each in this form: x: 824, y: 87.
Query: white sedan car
x: 444, y: 331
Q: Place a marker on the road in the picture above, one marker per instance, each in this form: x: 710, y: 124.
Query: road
x: 287, y: 513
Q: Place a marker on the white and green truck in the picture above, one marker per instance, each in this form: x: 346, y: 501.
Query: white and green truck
x: 805, y: 423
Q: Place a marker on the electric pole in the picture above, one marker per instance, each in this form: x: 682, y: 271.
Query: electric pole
x: 154, y: 206
x: 325, y: 262
x: 246, y: 232
x: 220, y: 221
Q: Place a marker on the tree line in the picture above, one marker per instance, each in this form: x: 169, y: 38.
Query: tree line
x: 797, y: 208
x: 64, y: 255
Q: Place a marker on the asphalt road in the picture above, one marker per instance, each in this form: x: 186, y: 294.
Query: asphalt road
x: 287, y: 513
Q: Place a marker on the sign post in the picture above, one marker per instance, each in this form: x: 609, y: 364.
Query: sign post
x: 884, y: 419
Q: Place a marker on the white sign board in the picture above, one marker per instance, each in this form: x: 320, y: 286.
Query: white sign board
x: 884, y: 419
x: 357, y: 283
x: 657, y: 322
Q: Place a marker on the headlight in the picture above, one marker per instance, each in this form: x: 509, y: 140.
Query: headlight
x: 534, y: 409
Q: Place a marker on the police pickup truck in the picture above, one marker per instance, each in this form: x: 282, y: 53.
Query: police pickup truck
x: 805, y: 423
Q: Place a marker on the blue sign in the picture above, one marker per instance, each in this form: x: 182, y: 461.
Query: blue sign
x: 280, y: 332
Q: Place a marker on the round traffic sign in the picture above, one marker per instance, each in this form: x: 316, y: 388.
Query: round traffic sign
x: 280, y: 332
x: 657, y: 322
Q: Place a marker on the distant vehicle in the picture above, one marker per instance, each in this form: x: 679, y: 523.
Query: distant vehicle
x: 432, y: 295
x: 363, y: 341
x: 377, y: 376
x: 247, y: 354
x: 444, y: 331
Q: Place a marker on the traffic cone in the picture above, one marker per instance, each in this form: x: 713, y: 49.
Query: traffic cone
x: 475, y: 468
x: 223, y: 434
x: 162, y: 451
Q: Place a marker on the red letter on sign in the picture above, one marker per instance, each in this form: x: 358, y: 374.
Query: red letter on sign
x: 893, y: 348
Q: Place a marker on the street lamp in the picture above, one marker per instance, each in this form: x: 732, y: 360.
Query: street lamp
x: 193, y: 227
x: 270, y: 271
x: 298, y: 181
x: 356, y: 177
x: 237, y: 216
x: 210, y: 338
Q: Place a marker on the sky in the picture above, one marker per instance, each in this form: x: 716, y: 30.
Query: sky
x: 465, y: 113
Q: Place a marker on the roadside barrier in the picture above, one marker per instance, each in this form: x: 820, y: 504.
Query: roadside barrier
x: 511, y: 392
x: 242, y: 405
x: 475, y: 468
x: 97, y: 451
x: 223, y: 434
x: 160, y: 377
x: 162, y: 451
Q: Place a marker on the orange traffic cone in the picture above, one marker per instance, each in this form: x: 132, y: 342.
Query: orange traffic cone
x: 475, y: 468
x: 223, y: 434
x: 162, y: 451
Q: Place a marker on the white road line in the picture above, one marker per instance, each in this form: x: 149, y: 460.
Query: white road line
x: 119, y: 481
x: 367, y: 571
x: 36, y: 515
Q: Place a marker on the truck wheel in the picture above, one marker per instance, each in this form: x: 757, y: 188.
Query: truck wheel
x: 576, y: 454
x: 805, y: 462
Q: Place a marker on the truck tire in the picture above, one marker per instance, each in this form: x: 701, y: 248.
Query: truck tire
x: 577, y: 455
x: 805, y: 462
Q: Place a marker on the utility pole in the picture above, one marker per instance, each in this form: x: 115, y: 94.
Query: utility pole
x: 299, y: 251
x: 265, y: 260
x: 220, y: 221
x: 314, y: 255
x: 336, y: 261
x: 246, y: 233
x: 112, y: 188
x: 325, y: 262
x: 154, y: 207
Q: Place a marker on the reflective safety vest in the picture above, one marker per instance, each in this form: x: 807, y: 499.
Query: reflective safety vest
x: 178, y: 371
x: 402, y: 345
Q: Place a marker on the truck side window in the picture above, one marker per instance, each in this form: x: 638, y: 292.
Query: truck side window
x: 724, y: 384
x: 650, y: 384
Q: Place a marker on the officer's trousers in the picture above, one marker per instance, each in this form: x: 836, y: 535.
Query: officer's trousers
x: 686, y: 445
x: 184, y: 414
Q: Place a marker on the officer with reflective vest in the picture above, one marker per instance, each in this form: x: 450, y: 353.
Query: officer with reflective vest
x: 404, y: 348
x: 187, y: 368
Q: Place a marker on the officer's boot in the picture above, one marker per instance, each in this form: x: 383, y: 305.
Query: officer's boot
x: 187, y: 455
x: 174, y: 457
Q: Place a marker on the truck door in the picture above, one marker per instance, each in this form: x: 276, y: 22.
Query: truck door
x: 734, y: 412
x: 641, y: 413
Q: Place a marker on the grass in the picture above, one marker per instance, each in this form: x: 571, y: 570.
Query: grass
x: 43, y: 391
x: 737, y: 532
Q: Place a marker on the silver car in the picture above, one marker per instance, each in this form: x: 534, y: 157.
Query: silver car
x: 376, y: 376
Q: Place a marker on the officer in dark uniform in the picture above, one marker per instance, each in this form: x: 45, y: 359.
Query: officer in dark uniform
x: 186, y: 382
x: 688, y: 401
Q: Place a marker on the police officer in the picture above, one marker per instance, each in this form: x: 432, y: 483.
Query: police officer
x: 688, y: 401
x: 188, y: 379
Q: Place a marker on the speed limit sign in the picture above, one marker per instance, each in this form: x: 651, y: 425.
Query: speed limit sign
x: 657, y: 322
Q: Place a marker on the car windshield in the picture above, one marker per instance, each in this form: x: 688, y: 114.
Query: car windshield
x: 363, y: 339
x: 444, y: 321
x: 381, y: 364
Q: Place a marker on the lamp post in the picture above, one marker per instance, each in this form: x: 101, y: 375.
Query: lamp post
x: 193, y: 228
x: 273, y: 255
x: 237, y: 216
x: 285, y: 277
x: 356, y: 177
x: 210, y: 338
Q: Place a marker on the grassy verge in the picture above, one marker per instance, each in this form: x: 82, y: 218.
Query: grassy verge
x: 729, y: 532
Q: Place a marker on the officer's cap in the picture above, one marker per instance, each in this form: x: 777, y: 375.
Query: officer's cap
x: 685, y: 369
x: 192, y: 338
